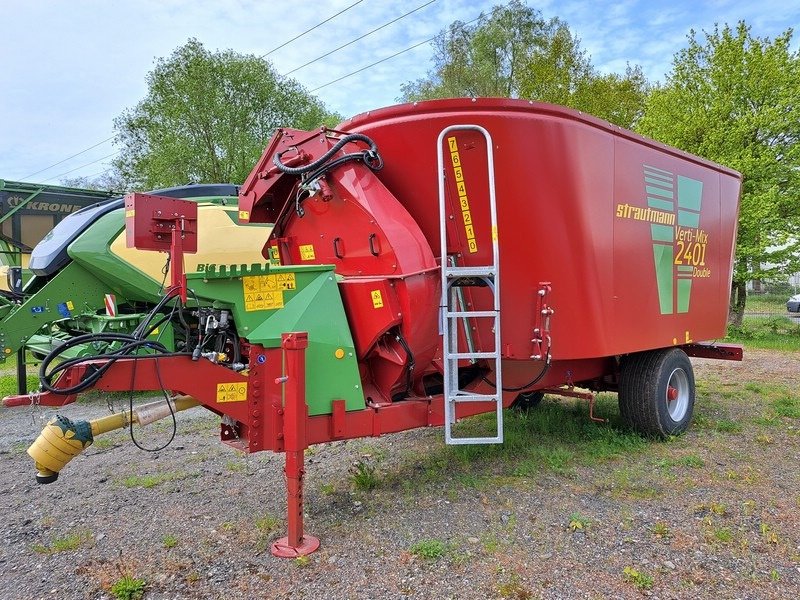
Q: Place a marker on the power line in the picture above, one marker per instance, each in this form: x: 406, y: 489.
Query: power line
x: 377, y: 62
x: 81, y: 166
x: 69, y: 157
x: 359, y: 38
x: 262, y: 56
x: 311, y: 29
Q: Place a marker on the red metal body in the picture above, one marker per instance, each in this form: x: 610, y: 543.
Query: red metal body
x: 634, y: 238
x: 610, y: 244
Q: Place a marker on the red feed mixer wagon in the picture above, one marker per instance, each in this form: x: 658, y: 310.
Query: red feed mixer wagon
x: 432, y: 261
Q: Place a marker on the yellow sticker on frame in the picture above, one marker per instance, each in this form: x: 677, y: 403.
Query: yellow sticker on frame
x: 232, y: 392
x: 307, y: 252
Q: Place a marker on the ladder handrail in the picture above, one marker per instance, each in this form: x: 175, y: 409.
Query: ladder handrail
x: 449, y: 317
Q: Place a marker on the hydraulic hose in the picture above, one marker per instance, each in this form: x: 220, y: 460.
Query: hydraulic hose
x: 370, y: 157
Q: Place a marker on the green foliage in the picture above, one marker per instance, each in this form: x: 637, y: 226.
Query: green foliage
x: 169, y: 541
x: 640, y: 579
x: 207, y: 117
x: 772, y: 333
x: 578, y: 522
x: 735, y: 98
x: 428, y: 549
x: 514, y: 52
x: 71, y: 541
x: 364, y: 476
x: 128, y: 588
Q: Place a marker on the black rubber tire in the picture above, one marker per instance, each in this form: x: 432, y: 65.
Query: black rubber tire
x: 644, y: 382
x: 527, y: 400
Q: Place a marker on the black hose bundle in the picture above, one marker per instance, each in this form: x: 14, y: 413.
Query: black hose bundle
x: 323, y: 164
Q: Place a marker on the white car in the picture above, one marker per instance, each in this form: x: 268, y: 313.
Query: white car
x: 793, y: 305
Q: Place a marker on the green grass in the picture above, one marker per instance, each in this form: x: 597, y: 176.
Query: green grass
x: 429, y: 549
x: 556, y: 437
x: 150, y: 481
x: 71, y: 541
x: 769, y: 333
x: 128, y: 588
x: 640, y: 579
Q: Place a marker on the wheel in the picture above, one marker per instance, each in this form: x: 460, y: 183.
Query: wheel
x: 527, y: 400
x: 656, y: 392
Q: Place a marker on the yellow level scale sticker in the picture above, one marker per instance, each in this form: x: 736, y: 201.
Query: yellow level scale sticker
x: 265, y: 292
x: 461, y: 187
x: 232, y: 392
x: 307, y: 252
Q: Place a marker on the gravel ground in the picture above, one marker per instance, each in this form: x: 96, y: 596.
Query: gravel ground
x: 713, y: 514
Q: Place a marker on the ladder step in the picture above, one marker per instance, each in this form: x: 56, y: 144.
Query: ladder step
x: 474, y: 398
x: 485, y: 271
x: 460, y: 355
x: 473, y: 313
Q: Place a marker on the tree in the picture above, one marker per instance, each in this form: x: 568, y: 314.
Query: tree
x: 735, y: 99
x: 108, y: 181
x: 514, y: 52
x: 207, y: 117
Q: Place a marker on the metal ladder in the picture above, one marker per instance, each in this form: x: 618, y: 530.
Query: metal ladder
x: 454, y: 309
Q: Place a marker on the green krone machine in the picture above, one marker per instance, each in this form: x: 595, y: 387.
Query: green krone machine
x: 87, y: 281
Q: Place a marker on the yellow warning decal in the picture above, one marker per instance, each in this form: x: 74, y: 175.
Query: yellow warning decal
x: 70, y: 305
x: 244, y: 215
x: 232, y: 392
x: 461, y: 188
x: 265, y: 292
x: 377, y: 299
x: 307, y: 252
x: 130, y: 213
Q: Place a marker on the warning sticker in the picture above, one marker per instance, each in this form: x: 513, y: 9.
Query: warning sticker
x: 244, y: 215
x: 265, y: 292
x: 307, y: 252
x: 130, y: 213
x: 232, y: 392
x: 377, y: 299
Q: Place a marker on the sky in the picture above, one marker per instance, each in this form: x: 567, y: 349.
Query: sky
x: 69, y: 67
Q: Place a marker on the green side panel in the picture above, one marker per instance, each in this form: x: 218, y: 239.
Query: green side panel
x: 92, y: 250
x: 688, y: 219
x: 684, y: 293
x: 690, y: 193
x: 665, y: 205
x: 72, y: 292
x: 662, y: 257
x: 662, y: 233
x: 315, y: 306
x: 656, y: 191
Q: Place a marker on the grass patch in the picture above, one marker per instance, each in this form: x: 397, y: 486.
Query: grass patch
x: 150, y: 481
x: 428, y: 549
x: 128, y: 588
x: 72, y: 541
x: 641, y: 580
x: 364, y: 476
x: 727, y: 426
x: 556, y: 437
x: 769, y: 333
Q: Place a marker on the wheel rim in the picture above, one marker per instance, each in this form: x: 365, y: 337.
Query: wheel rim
x: 677, y: 394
